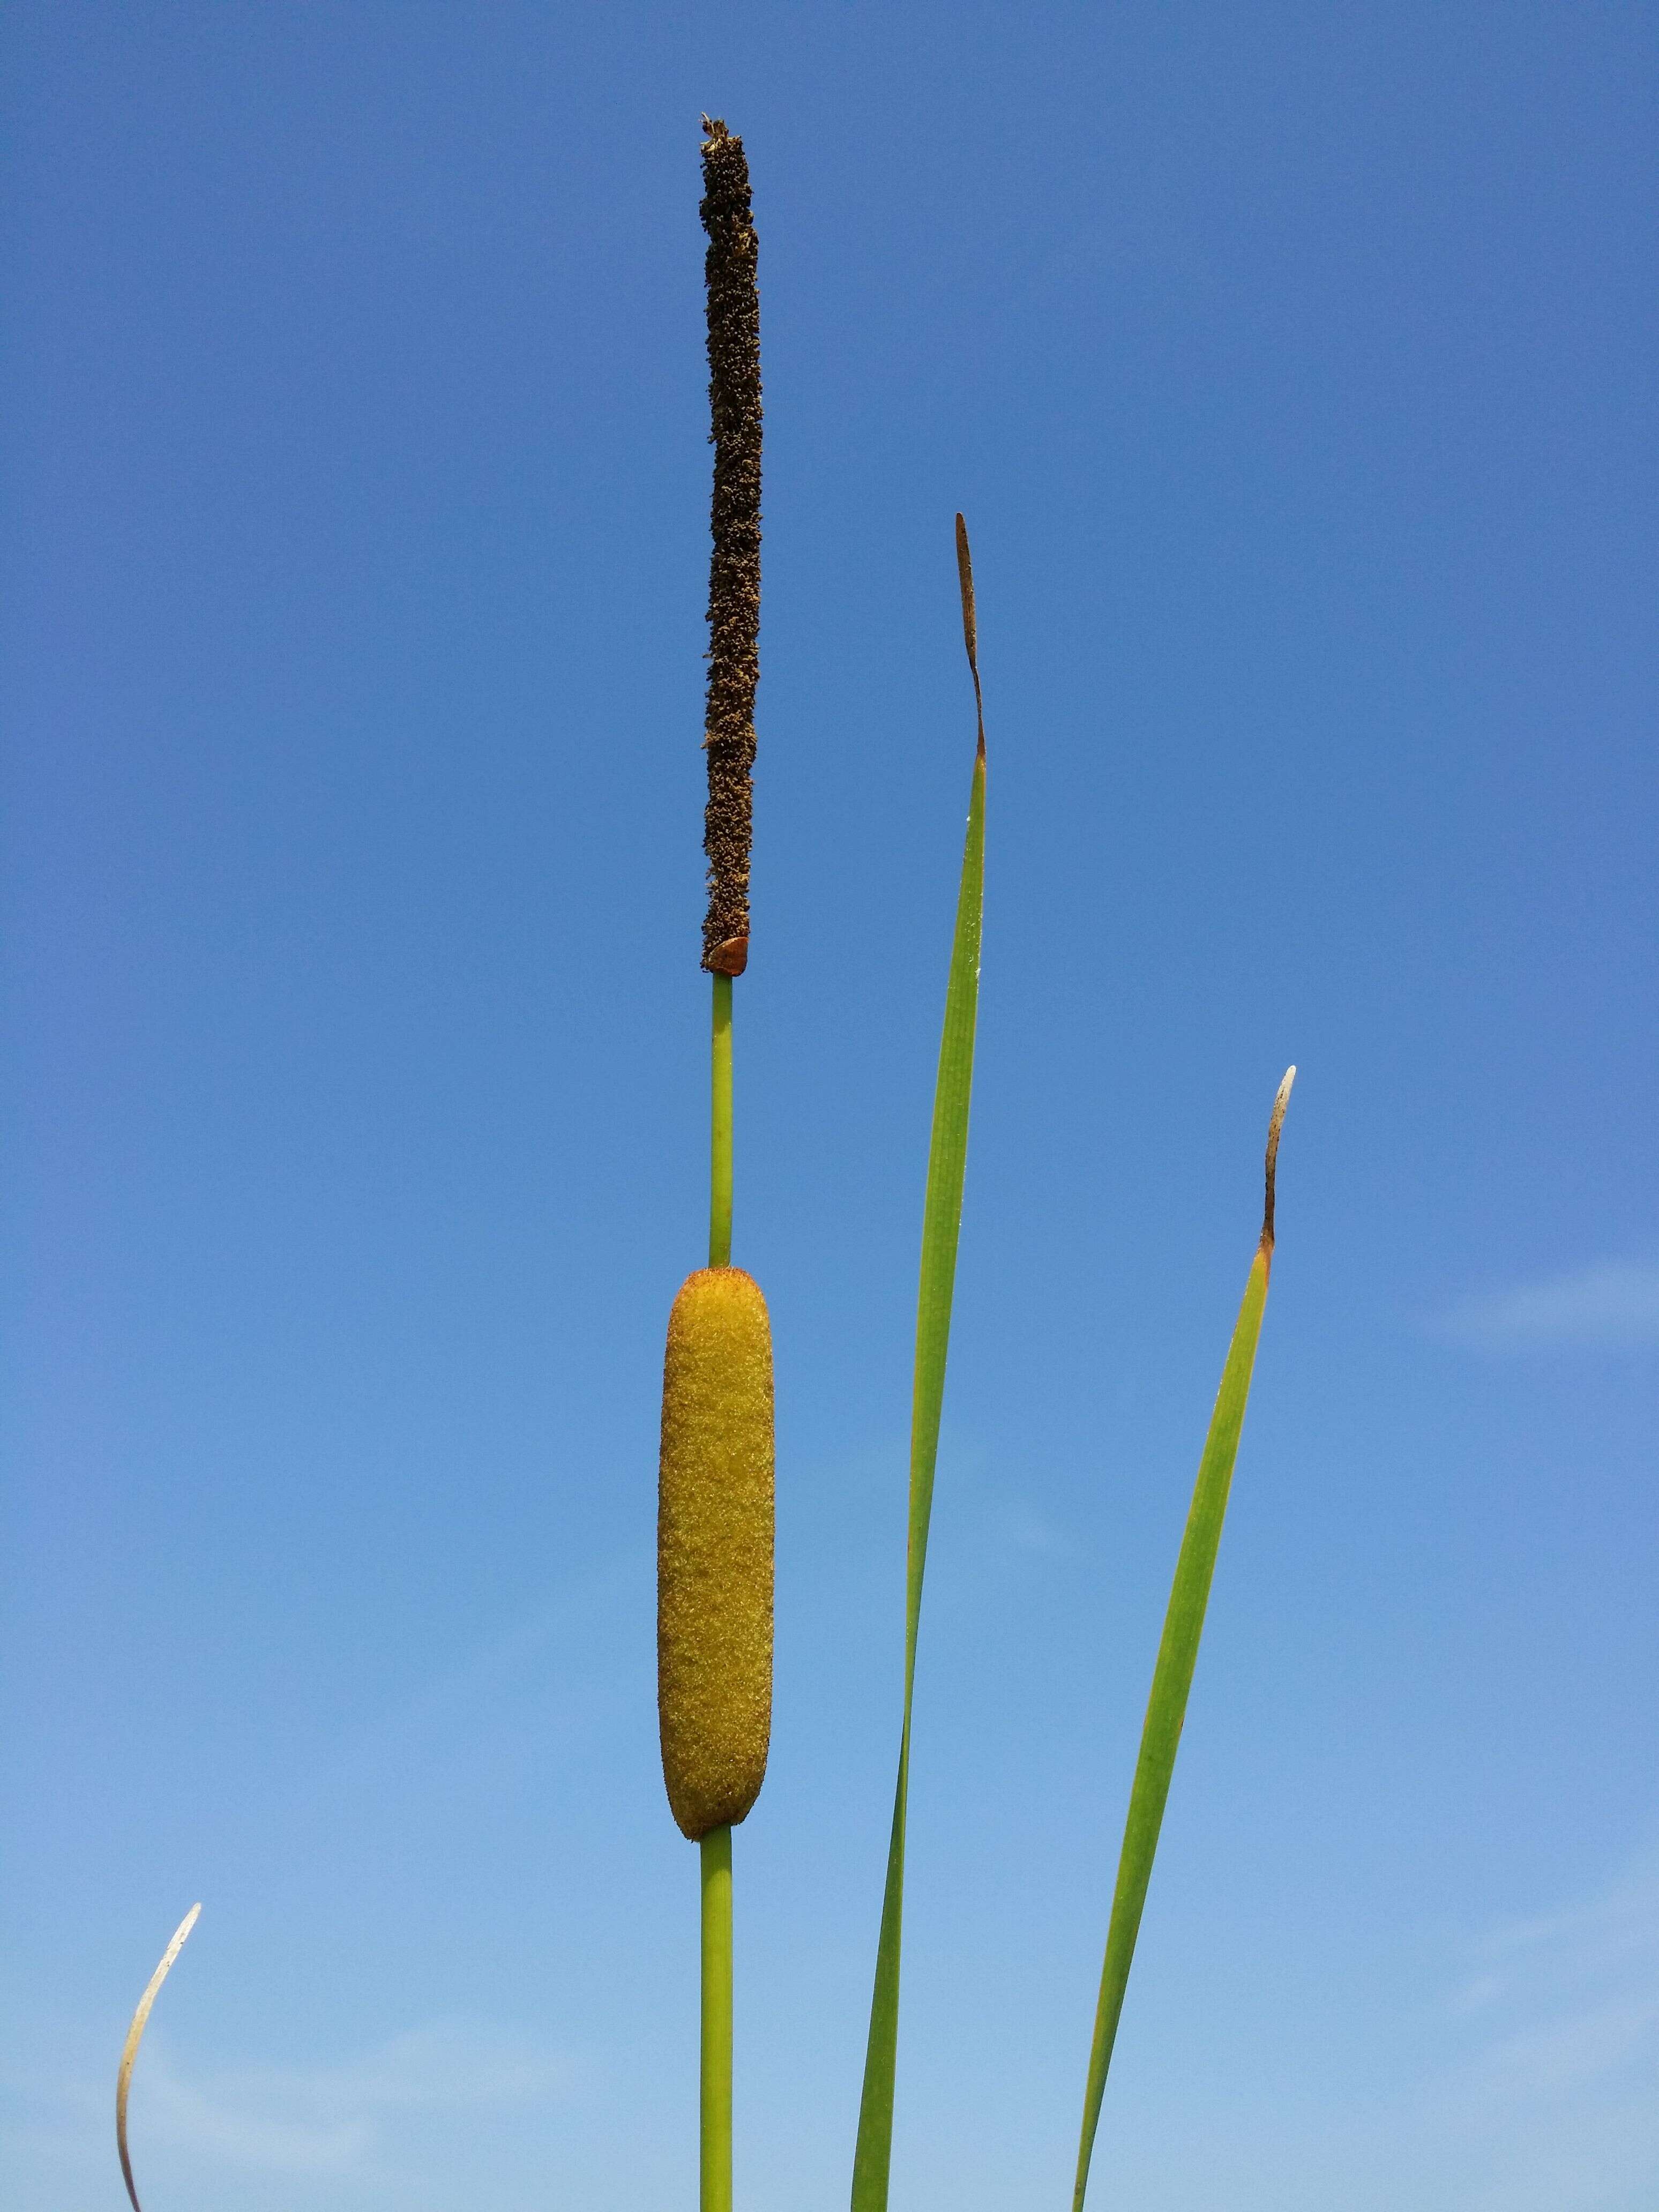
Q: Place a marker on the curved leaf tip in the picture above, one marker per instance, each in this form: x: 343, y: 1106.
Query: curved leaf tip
x: 135, y: 2037
x: 1275, y: 1123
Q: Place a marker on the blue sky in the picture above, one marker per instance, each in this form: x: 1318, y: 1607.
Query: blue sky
x: 1294, y: 367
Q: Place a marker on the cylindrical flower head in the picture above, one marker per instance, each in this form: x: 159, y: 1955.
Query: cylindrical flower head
x: 734, y: 568
x: 714, y: 1519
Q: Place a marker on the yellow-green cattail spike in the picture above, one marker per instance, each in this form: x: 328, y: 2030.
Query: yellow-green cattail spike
x: 715, y: 1517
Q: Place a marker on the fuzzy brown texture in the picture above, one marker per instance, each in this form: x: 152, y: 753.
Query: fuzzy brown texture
x: 714, y: 1550
x: 734, y: 568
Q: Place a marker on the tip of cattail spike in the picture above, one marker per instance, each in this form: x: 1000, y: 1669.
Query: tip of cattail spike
x: 734, y: 568
x: 970, y: 623
x: 1275, y: 1123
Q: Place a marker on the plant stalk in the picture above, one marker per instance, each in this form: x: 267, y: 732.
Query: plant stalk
x: 715, y: 2192
x: 720, y: 1128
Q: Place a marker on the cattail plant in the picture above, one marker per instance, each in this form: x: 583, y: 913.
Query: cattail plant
x: 715, y: 1490
x: 716, y: 1498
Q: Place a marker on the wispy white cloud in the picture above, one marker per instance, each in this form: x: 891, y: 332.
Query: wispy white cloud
x: 1533, y: 2089
x: 1533, y: 2092
x: 1613, y: 1303
x: 339, y: 2119
x: 1550, y: 2107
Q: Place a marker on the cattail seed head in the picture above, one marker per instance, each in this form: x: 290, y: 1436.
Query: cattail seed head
x: 734, y: 572
x: 715, y: 1517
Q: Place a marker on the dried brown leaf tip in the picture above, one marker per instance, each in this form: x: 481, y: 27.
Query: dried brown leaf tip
x: 969, y: 622
x: 734, y: 568
x: 135, y: 2037
x: 1275, y: 1123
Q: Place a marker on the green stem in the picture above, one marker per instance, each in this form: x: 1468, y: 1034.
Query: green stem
x: 715, y: 2111
x: 720, y: 1128
x: 715, y: 2172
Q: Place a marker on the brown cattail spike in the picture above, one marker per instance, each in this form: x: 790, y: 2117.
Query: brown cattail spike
x: 734, y: 401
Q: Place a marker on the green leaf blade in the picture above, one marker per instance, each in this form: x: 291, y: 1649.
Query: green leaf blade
x: 941, y: 1222
x: 947, y: 1164
x: 1177, y: 1657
